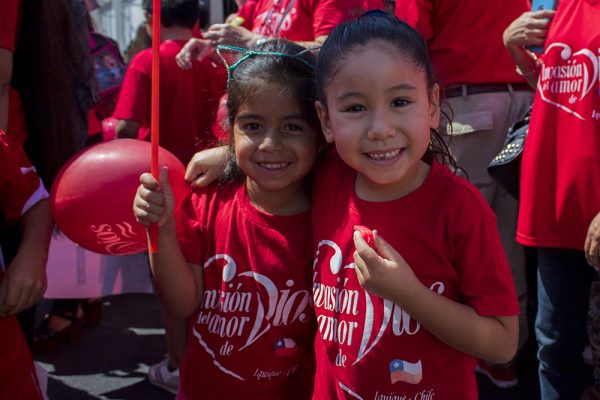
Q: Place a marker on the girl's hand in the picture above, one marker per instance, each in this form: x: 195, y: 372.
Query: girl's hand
x: 529, y: 29
x: 194, y: 49
x: 382, y: 271
x: 592, y: 243
x: 154, y: 202
x: 207, y: 166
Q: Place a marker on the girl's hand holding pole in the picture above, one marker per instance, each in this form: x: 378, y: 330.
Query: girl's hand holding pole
x: 154, y: 202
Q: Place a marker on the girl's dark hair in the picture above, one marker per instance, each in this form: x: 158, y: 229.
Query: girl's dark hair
x: 278, y: 63
x: 184, y: 13
x: 54, y: 76
x: 376, y: 25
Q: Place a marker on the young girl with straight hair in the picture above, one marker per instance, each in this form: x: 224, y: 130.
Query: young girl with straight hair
x: 237, y: 261
x: 406, y: 316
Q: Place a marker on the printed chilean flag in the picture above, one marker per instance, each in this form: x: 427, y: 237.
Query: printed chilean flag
x: 402, y: 371
x: 285, y: 347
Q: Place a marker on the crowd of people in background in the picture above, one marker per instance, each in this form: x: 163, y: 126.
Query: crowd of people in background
x: 343, y: 238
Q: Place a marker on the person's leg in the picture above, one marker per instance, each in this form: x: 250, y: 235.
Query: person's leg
x: 564, y: 280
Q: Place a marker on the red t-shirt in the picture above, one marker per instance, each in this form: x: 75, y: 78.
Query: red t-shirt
x: 560, y: 191
x: 369, y: 346
x: 20, y: 189
x: 188, y: 99
x: 253, y: 332
x: 465, y: 37
x: 246, y: 11
x: 305, y: 20
x: 9, y: 27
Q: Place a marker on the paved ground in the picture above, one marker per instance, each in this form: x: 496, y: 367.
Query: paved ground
x: 111, y: 361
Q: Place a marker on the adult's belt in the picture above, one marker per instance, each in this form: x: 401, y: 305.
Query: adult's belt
x: 460, y: 90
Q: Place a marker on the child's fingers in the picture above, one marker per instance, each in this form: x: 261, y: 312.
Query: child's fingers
x: 163, y: 179
x: 362, y: 271
x: 148, y: 181
x: 384, y: 249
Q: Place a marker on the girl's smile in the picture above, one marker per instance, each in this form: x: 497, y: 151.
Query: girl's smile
x: 275, y: 148
x: 379, y: 113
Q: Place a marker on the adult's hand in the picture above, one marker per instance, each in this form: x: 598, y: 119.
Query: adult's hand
x: 230, y: 34
x: 592, y: 243
x: 529, y: 29
x: 194, y: 49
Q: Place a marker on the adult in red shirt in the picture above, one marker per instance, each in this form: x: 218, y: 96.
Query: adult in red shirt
x: 307, y: 22
x: 188, y: 98
x: 23, y: 201
x: 560, y: 195
x: 485, y: 96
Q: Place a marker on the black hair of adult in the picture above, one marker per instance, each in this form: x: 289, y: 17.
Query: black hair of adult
x: 359, y: 32
x: 281, y: 64
x: 184, y: 13
x: 54, y: 76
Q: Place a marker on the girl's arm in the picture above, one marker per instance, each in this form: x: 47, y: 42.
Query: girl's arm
x: 530, y: 29
x: 180, y: 284
x: 387, y: 275
x: 25, y: 279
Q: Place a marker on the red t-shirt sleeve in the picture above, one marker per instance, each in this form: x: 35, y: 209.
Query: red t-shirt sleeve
x: 9, y: 11
x: 327, y: 14
x: 486, y: 282
x: 417, y: 13
x: 134, y: 98
x: 20, y: 186
x: 191, y: 226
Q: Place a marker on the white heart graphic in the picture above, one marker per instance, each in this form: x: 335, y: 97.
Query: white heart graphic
x: 588, y: 78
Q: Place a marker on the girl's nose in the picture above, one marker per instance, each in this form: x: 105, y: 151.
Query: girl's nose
x: 382, y: 126
x: 271, y: 142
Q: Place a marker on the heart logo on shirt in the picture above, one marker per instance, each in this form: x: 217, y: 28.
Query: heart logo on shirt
x: 567, y: 77
x: 348, y: 326
x: 237, y: 314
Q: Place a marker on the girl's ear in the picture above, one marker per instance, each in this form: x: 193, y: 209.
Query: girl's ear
x: 325, y: 123
x: 435, y: 110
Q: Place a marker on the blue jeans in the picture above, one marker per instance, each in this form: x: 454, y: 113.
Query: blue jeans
x: 564, y: 279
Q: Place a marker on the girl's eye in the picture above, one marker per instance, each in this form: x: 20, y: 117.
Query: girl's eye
x: 355, y: 108
x: 251, y: 126
x: 292, y: 128
x: 400, y: 102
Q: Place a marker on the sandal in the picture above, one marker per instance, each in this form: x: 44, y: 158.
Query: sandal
x: 47, y: 339
x: 92, y: 310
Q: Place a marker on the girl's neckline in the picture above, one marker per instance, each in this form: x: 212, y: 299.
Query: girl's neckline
x: 427, y: 177
x: 251, y: 211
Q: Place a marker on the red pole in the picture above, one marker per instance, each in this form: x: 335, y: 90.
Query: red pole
x: 154, y: 108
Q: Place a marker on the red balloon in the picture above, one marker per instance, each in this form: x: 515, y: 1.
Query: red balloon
x: 92, y: 196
